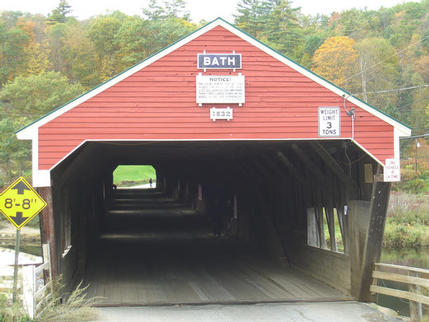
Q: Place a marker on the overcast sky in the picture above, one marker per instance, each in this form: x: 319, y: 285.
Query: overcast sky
x: 200, y: 9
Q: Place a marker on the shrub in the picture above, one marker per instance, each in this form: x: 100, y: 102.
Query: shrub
x: 413, y: 182
x: 11, y: 312
x: 402, y: 236
x: 76, y: 306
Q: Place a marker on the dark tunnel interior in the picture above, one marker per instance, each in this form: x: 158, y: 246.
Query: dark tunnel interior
x: 227, y: 222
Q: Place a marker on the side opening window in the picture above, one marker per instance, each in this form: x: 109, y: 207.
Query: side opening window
x: 326, y: 228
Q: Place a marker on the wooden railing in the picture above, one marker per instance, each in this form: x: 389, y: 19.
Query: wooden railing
x: 417, y: 280
x: 34, y: 284
x: 6, y: 280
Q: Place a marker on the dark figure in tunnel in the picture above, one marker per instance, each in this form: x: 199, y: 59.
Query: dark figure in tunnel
x: 218, y: 203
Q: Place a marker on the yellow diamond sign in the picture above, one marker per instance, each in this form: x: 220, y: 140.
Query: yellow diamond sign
x: 20, y: 203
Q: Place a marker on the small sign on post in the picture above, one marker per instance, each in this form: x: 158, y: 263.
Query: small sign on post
x: 20, y: 203
x: 392, y: 170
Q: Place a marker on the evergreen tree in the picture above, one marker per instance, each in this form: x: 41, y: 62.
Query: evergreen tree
x: 252, y: 16
x: 59, y: 14
x: 282, y: 27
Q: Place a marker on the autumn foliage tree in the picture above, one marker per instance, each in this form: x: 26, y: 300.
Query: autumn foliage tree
x: 336, y: 60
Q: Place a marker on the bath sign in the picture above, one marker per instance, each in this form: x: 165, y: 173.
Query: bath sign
x: 329, y: 121
x: 20, y: 203
x: 220, y: 89
x: 219, y: 61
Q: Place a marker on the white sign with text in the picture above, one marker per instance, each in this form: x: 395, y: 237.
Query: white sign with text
x: 329, y: 121
x: 221, y: 114
x: 220, y: 89
x: 392, y: 170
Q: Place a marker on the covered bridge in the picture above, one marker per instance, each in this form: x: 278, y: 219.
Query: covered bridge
x: 296, y: 162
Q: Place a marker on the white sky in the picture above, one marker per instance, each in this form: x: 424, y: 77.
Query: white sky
x: 200, y: 9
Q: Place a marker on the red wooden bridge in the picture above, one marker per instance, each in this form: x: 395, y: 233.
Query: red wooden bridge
x: 295, y: 153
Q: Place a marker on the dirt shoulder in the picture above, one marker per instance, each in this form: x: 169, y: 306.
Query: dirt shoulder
x: 7, y: 231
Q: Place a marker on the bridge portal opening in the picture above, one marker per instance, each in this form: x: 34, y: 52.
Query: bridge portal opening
x: 227, y: 222
x: 136, y: 176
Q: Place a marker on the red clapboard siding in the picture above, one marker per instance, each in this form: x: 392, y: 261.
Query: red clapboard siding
x: 158, y: 103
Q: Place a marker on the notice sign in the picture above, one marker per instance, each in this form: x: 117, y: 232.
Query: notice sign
x: 392, y: 170
x: 219, y: 61
x: 220, y: 89
x: 329, y: 121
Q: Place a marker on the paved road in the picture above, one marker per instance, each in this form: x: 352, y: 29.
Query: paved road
x: 291, y: 312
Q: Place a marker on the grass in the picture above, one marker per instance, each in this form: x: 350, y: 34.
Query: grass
x: 338, y: 237
x: 126, y: 175
x: 407, y: 222
x: 75, y: 306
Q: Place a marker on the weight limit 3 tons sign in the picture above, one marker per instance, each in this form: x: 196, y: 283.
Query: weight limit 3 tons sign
x: 329, y: 121
x: 20, y: 203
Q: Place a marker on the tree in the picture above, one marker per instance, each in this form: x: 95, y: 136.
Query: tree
x: 133, y: 38
x: 163, y: 33
x: 38, y: 60
x: 102, y: 33
x: 59, y: 14
x: 36, y: 95
x: 79, y: 57
x: 13, y: 54
x: 427, y: 118
x: 252, y: 15
x: 168, y: 9
x: 417, y: 117
x: 378, y: 71
x: 55, y: 43
x: 14, y: 155
x: 283, y: 29
x: 336, y: 60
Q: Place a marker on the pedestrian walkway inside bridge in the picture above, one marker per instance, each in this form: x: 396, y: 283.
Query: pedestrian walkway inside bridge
x: 154, y: 251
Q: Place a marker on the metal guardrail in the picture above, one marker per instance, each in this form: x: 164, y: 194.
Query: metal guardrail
x: 417, y: 280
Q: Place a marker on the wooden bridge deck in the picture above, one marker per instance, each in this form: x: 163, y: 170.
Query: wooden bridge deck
x: 196, y: 272
x: 155, y: 252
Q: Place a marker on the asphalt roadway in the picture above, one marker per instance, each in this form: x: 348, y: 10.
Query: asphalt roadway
x: 295, y: 312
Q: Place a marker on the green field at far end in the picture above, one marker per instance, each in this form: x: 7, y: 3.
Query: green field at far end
x: 126, y: 174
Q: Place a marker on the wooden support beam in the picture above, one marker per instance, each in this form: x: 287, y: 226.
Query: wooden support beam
x: 332, y: 164
x: 264, y: 171
x: 343, y: 223
x: 292, y: 169
x: 374, y: 238
x: 249, y: 172
x: 320, y: 226
x: 330, y: 217
x: 47, y: 228
x: 273, y: 166
x: 312, y: 167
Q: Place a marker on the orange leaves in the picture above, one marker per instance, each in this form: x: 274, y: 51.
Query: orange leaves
x: 336, y: 59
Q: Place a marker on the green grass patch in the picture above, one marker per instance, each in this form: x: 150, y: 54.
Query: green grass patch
x: 127, y: 175
x: 407, y: 223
